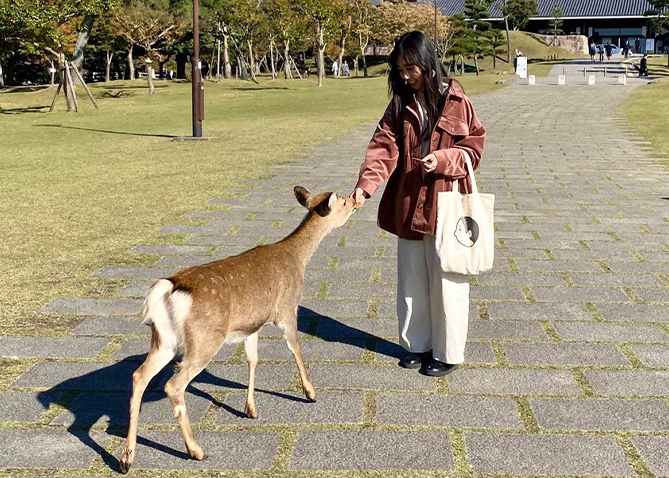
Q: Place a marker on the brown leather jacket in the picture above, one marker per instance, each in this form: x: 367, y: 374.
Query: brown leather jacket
x: 408, y: 207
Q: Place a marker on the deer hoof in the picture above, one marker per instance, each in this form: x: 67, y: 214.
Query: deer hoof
x: 310, y: 393
x: 197, y: 454
x: 126, y: 461
x: 251, y: 411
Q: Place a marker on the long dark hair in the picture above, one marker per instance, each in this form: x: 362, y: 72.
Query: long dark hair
x: 416, y: 48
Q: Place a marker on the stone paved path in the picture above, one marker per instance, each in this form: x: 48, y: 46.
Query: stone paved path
x: 567, y: 367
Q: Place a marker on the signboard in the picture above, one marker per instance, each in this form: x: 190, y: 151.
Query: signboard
x: 521, y: 66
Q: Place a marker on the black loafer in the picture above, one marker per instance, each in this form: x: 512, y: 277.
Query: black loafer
x: 414, y: 360
x: 438, y: 369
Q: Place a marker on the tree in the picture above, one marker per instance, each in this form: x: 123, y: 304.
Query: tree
x: 288, y: 26
x: 556, y: 22
x: 343, y: 20
x: 519, y: 12
x: 394, y: 19
x: 661, y: 21
x: 362, y: 15
x: 218, y: 14
x: 319, y: 14
x: 149, y: 24
x: 480, y: 32
x: 105, y: 40
x: 248, y: 20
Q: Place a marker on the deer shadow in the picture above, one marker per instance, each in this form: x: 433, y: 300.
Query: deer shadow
x: 102, y: 396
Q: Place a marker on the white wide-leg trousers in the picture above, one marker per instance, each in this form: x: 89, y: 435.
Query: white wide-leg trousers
x: 432, y: 306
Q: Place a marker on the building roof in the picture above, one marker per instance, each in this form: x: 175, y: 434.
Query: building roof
x: 570, y: 8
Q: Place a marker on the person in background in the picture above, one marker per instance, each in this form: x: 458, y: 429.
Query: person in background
x: 643, y: 65
x: 593, y: 51
x: 335, y: 68
x: 420, y: 147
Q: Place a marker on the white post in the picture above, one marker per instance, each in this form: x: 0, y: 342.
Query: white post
x: 532, y: 80
x: 562, y: 80
x: 591, y: 79
x: 622, y: 79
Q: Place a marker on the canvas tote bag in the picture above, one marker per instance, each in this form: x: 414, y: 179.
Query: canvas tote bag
x: 465, y: 238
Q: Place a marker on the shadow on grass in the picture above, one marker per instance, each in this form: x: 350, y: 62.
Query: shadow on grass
x: 155, y: 135
x: 116, y: 94
x: 25, y: 89
x: 257, y: 88
x: 25, y: 109
x: 143, y: 86
x: 103, y: 395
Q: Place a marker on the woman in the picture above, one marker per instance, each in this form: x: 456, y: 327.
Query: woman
x: 419, y: 146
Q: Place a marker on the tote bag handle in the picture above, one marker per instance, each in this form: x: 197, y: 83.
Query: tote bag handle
x: 470, y: 171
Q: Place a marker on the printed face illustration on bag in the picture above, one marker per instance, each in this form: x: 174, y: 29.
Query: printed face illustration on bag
x: 466, y: 231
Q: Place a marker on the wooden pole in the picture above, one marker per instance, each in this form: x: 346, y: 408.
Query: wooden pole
x: 70, y: 84
x: 55, y: 97
x: 81, y: 80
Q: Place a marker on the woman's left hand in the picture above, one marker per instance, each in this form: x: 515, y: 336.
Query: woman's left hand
x: 429, y: 163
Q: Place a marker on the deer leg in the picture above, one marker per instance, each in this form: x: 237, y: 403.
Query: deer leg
x: 154, y: 363
x: 251, y: 349
x: 290, y: 333
x: 175, y: 388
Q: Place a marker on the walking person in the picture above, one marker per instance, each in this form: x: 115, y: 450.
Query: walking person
x: 420, y: 147
x: 609, y: 49
x: 335, y: 68
x: 643, y: 65
x: 593, y: 51
x: 600, y: 49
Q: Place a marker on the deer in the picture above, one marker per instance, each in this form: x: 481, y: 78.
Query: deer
x: 198, y: 309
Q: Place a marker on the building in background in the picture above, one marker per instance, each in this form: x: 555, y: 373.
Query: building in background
x: 602, y: 21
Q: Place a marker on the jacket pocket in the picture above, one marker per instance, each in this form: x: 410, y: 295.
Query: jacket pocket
x: 451, y: 129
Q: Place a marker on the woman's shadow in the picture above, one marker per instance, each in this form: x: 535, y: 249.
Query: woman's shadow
x: 102, y: 396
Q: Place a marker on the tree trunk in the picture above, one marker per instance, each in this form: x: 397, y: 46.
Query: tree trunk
x: 355, y: 65
x: 218, y: 60
x: 252, y: 62
x: 227, y: 68
x: 109, y: 59
x: 476, y: 64
x: 321, y: 53
x: 286, y: 65
x: 341, y: 55
x: 364, y: 61
x: 271, y: 59
x: 182, y: 58
x: 2, y: 76
x: 82, y: 41
x: 131, y: 65
x: 149, y: 78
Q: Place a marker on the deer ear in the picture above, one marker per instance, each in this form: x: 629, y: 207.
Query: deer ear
x: 303, y: 195
x: 326, y: 206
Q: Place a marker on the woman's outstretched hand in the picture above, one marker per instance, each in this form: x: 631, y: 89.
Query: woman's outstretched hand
x: 358, y: 196
x: 429, y: 163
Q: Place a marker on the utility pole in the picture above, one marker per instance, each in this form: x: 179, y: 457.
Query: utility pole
x: 197, y: 85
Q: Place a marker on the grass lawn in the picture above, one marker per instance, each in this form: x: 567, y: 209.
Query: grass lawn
x: 648, y: 112
x: 80, y: 190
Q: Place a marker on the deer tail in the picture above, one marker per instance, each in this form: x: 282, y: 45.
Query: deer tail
x: 166, y: 309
